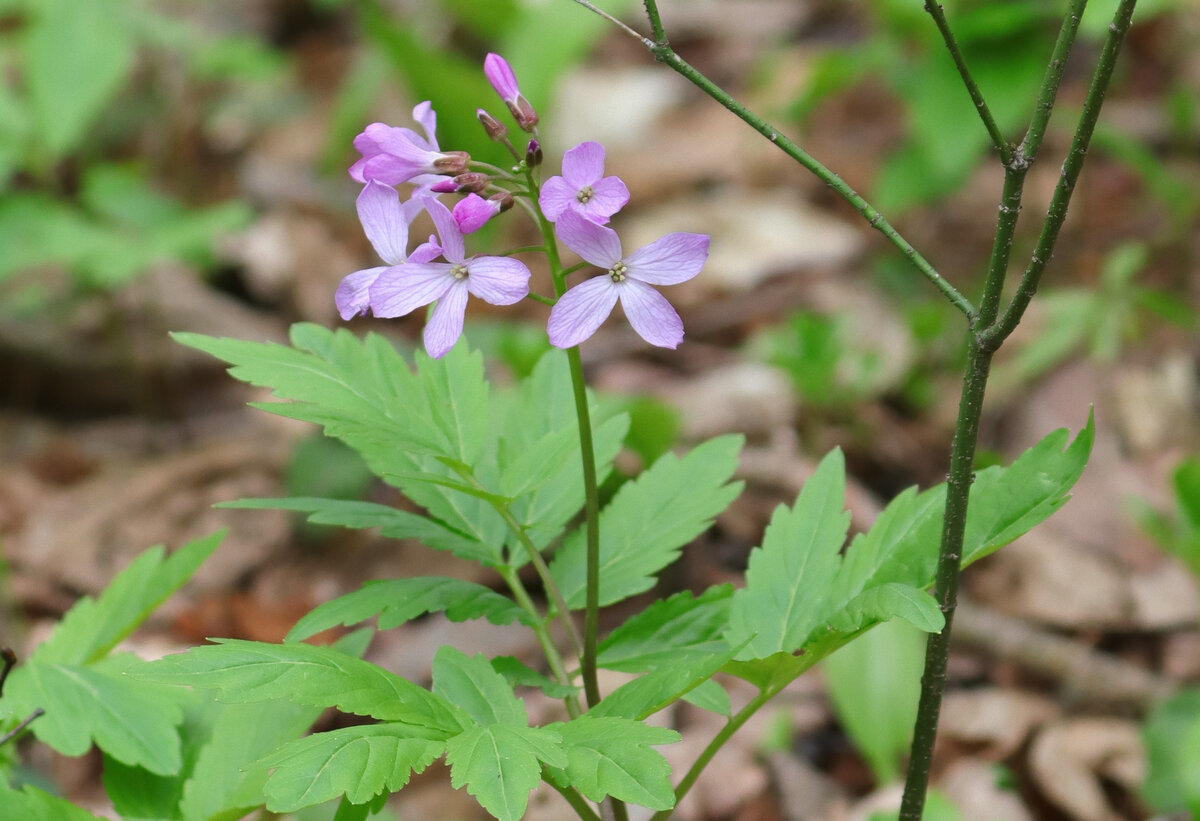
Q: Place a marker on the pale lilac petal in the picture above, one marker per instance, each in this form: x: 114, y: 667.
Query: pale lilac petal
x: 675, y: 258
x: 580, y: 311
x: 389, y: 169
x: 426, y: 251
x: 424, y: 114
x: 449, y: 233
x: 556, y: 197
x: 446, y: 324
x: 407, y: 287
x: 609, y: 196
x: 597, y: 244
x: 383, y: 221
x: 353, y: 293
x: 650, y: 314
x: 498, y: 280
x: 500, y: 74
x: 583, y: 164
x: 472, y: 212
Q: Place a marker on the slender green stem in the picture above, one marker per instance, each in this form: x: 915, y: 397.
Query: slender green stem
x: 578, y: 803
x: 994, y: 335
x: 545, y: 640
x: 1048, y: 92
x: 656, y: 26
x: 579, y: 266
x: 985, y: 114
x: 22, y: 727
x: 545, y: 300
x: 954, y: 520
x: 591, y: 492
x: 666, y: 55
x: 982, y: 346
x: 718, y: 741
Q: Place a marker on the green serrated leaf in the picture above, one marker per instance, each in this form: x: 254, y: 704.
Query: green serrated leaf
x: 396, y: 601
x: 890, y: 601
x: 474, y: 686
x: 668, y: 630
x: 499, y: 764
x: 788, y: 578
x: 31, y: 804
x: 661, y: 687
x: 650, y: 519
x: 247, y: 671
x: 519, y: 674
x: 393, y: 523
x: 358, y: 762
x: 610, y: 756
x: 711, y: 696
x: 92, y: 627
x: 127, y: 719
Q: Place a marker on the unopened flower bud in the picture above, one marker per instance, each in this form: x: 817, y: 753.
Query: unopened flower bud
x: 471, y: 182
x: 523, y: 113
x: 497, y: 132
x: 444, y: 187
x: 505, y: 200
x: 533, y: 154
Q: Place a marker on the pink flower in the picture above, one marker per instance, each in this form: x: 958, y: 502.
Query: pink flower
x: 580, y: 311
x: 583, y: 188
x: 500, y: 74
x: 385, y: 221
x: 393, y: 155
x: 473, y: 211
x: 498, y: 280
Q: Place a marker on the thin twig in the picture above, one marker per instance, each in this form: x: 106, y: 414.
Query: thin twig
x: 648, y: 43
x: 20, y: 728
x: 1061, y: 200
x: 1048, y: 92
x: 985, y: 114
x: 10, y: 661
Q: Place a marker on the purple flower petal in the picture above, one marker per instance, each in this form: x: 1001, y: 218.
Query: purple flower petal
x: 500, y: 74
x: 498, y: 280
x: 556, y: 197
x: 650, y: 314
x: 383, y: 221
x: 407, y: 287
x: 353, y: 293
x: 675, y: 258
x: 580, y: 311
x: 472, y: 212
x: 609, y: 196
x: 424, y: 114
x: 583, y: 164
x: 426, y: 251
x: 449, y: 233
x: 597, y: 244
x: 446, y: 324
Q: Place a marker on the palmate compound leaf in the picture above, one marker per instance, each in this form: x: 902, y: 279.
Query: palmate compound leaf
x: 409, y: 426
x: 247, y: 671
x: 501, y: 764
x: 612, y: 756
x: 643, y: 528
x: 396, y: 601
x: 358, y: 762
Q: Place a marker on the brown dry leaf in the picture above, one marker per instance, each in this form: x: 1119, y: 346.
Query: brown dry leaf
x: 973, y: 786
x: 1001, y: 719
x: 1068, y: 760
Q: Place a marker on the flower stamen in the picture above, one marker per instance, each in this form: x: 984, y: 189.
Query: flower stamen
x: 618, y: 272
x: 459, y: 272
x: 585, y: 195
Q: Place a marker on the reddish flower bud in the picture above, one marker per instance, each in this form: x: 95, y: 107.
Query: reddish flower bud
x: 497, y: 132
x: 533, y: 154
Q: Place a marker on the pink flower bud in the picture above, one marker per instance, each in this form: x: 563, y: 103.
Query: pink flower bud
x: 500, y: 74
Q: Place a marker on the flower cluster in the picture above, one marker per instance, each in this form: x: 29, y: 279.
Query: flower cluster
x: 579, y: 203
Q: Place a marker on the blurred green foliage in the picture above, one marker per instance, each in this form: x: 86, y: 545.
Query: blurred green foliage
x: 82, y: 71
x: 1006, y: 46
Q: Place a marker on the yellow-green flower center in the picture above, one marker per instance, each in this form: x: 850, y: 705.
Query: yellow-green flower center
x: 585, y: 195
x: 618, y: 272
x: 459, y: 271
